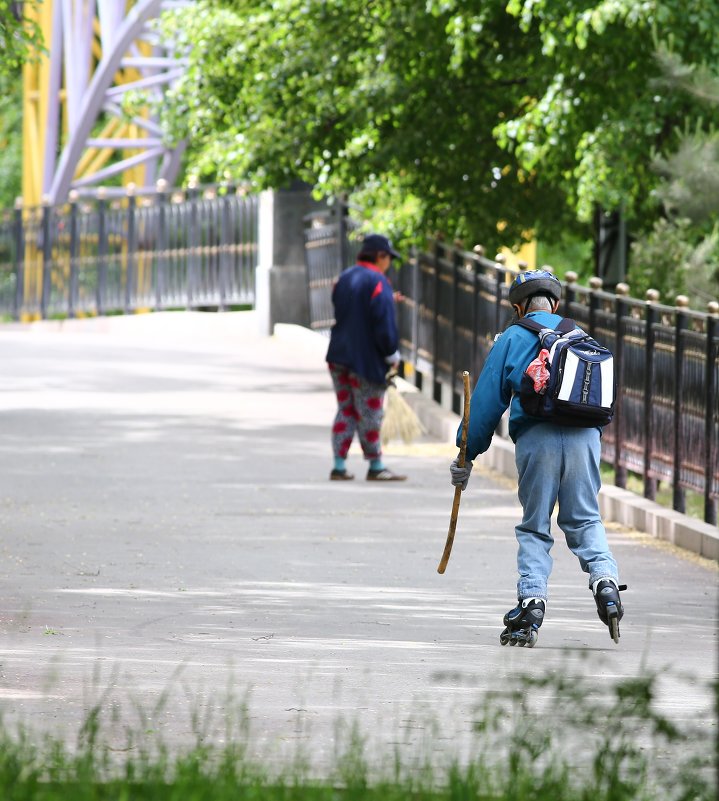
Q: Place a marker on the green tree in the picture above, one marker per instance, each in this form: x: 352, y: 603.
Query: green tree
x: 452, y: 114
x: 681, y: 252
x: 20, y: 38
x: 379, y: 97
x: 10, y: 145
x: 602, y: 117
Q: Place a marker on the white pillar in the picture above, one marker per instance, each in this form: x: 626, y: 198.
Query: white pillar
x: 265, y: 260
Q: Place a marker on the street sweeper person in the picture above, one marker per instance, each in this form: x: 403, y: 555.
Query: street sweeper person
x: 364, y: 347
x: 556, y: 462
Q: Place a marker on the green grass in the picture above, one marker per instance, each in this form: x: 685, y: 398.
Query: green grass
x: 554, y: 739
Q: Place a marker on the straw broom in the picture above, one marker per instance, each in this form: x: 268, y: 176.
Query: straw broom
x: 400, y: 420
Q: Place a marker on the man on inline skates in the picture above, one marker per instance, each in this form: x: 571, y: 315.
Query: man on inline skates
x: 555, y: 463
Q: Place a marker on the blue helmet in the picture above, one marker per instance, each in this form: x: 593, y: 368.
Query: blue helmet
x: 534, y: 282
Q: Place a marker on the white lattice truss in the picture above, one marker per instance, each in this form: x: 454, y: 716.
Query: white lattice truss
x: 90, y: 98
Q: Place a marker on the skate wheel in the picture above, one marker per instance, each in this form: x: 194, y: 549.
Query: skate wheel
x: 504, y: 637
x: 533, y: 637
x: 614, y: 628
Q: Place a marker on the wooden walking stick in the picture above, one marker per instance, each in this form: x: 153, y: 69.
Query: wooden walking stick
x: 457, y: 490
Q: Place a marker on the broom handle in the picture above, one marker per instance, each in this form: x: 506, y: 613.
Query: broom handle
x: 457, y: 490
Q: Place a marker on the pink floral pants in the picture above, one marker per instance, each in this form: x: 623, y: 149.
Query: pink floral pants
x: 360, y: 409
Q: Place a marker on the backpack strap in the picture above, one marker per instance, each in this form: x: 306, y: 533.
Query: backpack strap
x: 530, y: 325
x: 565, y: 326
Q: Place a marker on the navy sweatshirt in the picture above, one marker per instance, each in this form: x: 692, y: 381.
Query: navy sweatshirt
x: 365, y: 330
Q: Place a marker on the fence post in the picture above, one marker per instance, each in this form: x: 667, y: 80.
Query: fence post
x: 224, y: 272
x: 162, y: 242
x: 620, y: 471
x: 595, y: 284
x: 74, y: 249
x: 46, y: 258
x: 457, y: 265
x: 499, y: 275
x: 414, y: 261
x: 436, y: 385
x: 102, y: 250
x: 569, y: 292
x: 477, y: 266
x: 18, y: 235
x: 710, y: 506
x: 342, y: 250
x: 680, y: 325
x: 650, y: 484
x: 192, y: 243
x: 130, y: 262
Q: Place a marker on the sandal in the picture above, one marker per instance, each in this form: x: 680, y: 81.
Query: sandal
x: 341, y: 475
x: 384, y: 475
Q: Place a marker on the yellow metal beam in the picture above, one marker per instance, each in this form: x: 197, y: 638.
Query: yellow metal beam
x: 36, y: 82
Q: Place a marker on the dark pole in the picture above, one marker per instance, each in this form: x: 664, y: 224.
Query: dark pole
x: 620, y: 470
x: 193, y: 244
x: 710, y: 506
x: 130, y: 264
x: 162, y: 242
x: 570, y: 292
x: 74, y: 249
x: 476, y: 272
x: 19, y: 259
x: 680, y: 325
x: 414, y: 261
x: 595, y: 285
x: 101, y: 250
x: 499, y: 274
x: 436, y: 385
x: 342, y: 249
x: 224, y: 272
x: 650, y: 484
x: 46, y: 259
x: 457, y: 265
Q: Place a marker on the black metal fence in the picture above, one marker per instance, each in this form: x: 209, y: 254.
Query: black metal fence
x: 180, y: 249
x: 666, y: 425
x: 328, y: 244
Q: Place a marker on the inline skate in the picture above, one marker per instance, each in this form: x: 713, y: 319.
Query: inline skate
x: 609, y: 604
x: 523, y: 623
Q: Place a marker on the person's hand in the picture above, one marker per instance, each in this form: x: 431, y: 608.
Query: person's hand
x: 460, y: 475
x: 390, y: 376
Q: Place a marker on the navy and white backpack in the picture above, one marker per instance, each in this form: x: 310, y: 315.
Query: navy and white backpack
x: 571, y: 382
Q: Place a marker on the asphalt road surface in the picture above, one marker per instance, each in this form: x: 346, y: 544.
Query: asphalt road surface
x: 172, y: 549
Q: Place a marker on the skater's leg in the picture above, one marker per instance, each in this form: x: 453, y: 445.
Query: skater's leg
x: 523, y: 623
x: 579, y: 516
x: 538, y: 460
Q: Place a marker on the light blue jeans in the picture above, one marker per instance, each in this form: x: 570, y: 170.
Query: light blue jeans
x: 559, y: 464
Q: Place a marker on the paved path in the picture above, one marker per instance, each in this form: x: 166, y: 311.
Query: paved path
x: 167, y: 526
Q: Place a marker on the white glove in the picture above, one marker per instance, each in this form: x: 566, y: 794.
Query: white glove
x: 460, y: 475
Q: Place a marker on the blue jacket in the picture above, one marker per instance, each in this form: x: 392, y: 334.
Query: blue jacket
x: 365, y: 330
x: 498, y: 385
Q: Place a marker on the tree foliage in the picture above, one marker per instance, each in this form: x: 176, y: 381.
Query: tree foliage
x: 453, y: 115
x: 10, y: 146
x: 20, y: 37
x: 681, y: 252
